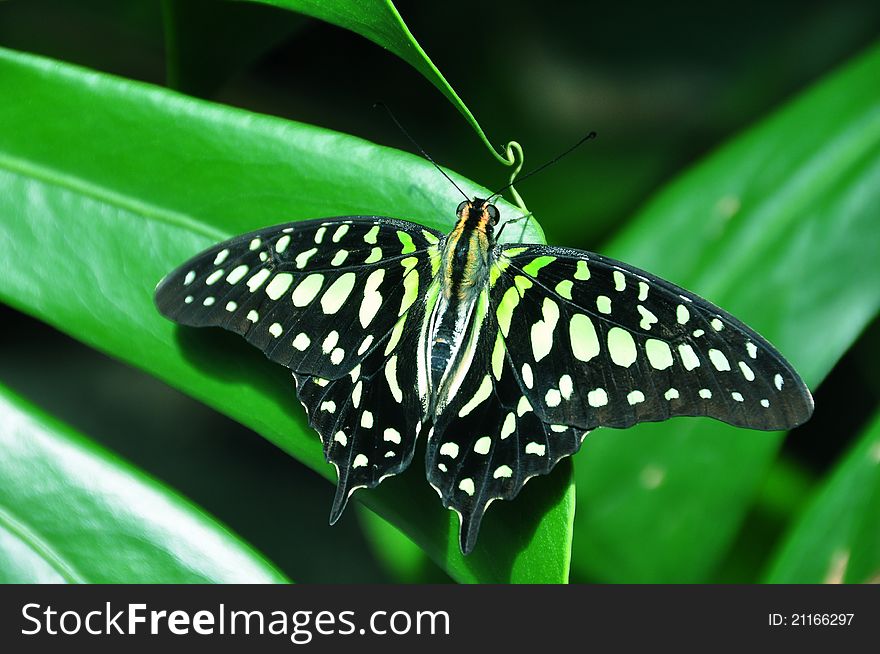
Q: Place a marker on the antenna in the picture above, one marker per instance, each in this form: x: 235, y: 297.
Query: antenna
x: 588, y: 137
x: 413, y: 141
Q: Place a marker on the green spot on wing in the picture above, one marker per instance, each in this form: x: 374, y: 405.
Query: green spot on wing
x: 537, y: 263
x: 410, y: 290
x: 583, y: 271
x: 522, y: 284
x: 564, y: 288
x: 407, y: 242
x: 505, y: 309
x: 370, y: 236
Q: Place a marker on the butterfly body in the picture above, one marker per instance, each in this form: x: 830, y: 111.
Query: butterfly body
x: 467, y: 254
x: 503, y: 356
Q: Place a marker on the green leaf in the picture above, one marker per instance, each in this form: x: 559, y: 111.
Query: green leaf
x: 513, y: 546
x: 780, y: 228
x: 380, y: 22
x: 836, y: 539
x: 403, y: 559
x: 106, y: 185
x: 409, y: 564
x: 72, y: 512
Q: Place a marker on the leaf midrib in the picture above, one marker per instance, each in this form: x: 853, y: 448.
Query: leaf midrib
x: 106, y: 195
x: 39, y: 545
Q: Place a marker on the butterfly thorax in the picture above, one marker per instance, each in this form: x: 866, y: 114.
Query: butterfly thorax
x: 454, y: 318
x: 466, y: 254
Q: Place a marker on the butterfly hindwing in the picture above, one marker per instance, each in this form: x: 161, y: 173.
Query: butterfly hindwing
x: 489, y: 442
x: 600, y: 343
x: 369, y: 421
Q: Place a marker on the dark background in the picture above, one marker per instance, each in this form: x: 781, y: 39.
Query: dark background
x: 662, y: 85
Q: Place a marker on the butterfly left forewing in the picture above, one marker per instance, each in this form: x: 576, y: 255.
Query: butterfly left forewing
x: 308, y: 294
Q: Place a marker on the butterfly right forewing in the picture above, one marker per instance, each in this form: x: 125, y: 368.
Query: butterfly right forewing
x: 606, y: 344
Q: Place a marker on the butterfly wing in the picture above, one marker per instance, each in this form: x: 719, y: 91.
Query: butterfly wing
x: 294, y: 290
x: 489, y: 441
x: 334, y: 300
x: 574, y: 341
x: 369, y: 421
x: 610, y: 345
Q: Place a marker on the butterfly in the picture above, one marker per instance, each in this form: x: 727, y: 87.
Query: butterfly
x: 503, y: 356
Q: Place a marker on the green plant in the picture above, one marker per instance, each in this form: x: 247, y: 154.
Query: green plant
x: 106, y: 184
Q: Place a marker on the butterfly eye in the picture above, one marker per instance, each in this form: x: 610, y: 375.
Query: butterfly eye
x: 462, y: 207
x: 494, y: 214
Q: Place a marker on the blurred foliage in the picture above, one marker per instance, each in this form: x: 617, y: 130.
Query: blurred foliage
x: 71, y: 513
x: 662, y: 88
x: 837, y: 538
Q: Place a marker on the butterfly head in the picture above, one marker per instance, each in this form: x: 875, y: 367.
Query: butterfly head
x: 478, y: 214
